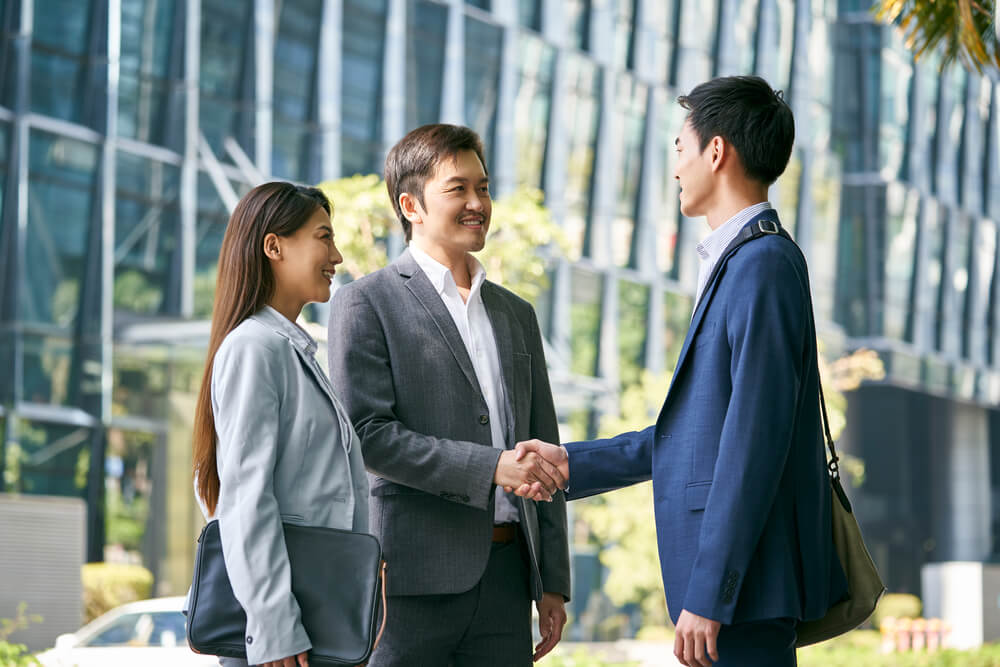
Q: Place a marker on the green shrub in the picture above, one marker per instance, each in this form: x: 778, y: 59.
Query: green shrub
x: 107, y: 585
x: 897, y: 605
x: 861, y: 649
x: 580, y: 658
x: 11, y: 654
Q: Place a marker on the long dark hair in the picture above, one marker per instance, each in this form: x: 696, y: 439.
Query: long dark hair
x: 245, y: 283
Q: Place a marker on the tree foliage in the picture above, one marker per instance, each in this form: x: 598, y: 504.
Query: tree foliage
x: 963, y: 30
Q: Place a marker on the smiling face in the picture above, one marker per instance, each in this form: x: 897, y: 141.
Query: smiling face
x: 693, y: 171
x: 305, y: 261
x: 455, y: 214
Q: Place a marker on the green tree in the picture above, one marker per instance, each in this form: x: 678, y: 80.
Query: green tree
x: 621, y: 523
x: 523, y: 237
x: 964, y: 30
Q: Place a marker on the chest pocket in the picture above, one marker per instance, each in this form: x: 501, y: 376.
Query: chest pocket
x: 706, y: 333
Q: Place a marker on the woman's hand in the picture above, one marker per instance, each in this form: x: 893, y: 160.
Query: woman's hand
x: 300, y: 660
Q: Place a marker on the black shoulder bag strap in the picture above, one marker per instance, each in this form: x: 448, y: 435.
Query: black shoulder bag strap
x: 766, y: 227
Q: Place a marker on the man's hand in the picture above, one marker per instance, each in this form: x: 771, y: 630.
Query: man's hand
x: 300, y: 660
x: 694, y: 640
x: 555, y: 455
x: 531, y: 470
x: 551, y: 619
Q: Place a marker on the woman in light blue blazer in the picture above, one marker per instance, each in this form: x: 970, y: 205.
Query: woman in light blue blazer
x: 272, y: 443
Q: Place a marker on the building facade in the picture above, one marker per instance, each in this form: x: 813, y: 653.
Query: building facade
x: 129, y: 129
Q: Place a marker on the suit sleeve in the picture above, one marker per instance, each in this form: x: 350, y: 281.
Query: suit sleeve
x: 554, y: 565
x: 246, y: 388
x: 599, y: 466
x: 766, y: 332
x: 455, y: 470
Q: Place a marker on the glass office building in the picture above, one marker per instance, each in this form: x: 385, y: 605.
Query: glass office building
x: 129, y: 129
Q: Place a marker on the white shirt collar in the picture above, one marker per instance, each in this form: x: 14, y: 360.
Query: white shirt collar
x: 440, y: 275
x: 289, y: 329
x: 713, y: 245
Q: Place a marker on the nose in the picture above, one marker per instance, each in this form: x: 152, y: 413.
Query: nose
x: 335, y: 256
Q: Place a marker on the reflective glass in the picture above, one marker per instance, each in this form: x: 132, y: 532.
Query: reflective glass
x: 147, y: 248
x: 531, y: 107
x: 819, y: 57
x: 658, y: 26
x: 624, y: 30
x: 211, y: 227
x: 66, y: 52
x: 825, y: 191
x: 985, y: 249
x: 150, y: 101
x: 956, y: 286
x: 576, y: 14
x: 582, y: 111
x: 900, y: 258
x: 296, y: 49
x: 949, y: 133
x: 677, y: 309
x: 61, y: 224
x: 854, y: 277
x: 48, y: 459
x: 668, y: 211
x: 737, y: 57
x: 482, y: 79
x: 633, y: 314
x: 585, y: 321
x: 631, y: 109
x: 128, y: 491
x: 787, y: 189
x: 529, y: 14
x: 931, y: 311
x: 482, y: 4
x: 47, y: 360
x: 10, y: 12
x: 425, y: 44
x: 993, y: 156
x: 141, y: 383
x: 361, y: 110
x: 897, y: 74
x: 226, y: 104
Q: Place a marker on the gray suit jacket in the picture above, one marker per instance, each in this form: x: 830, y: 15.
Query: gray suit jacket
x: 406, y: 379
x: 285, y: 453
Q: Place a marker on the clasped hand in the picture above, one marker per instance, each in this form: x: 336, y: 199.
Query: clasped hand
x: 533, y: 469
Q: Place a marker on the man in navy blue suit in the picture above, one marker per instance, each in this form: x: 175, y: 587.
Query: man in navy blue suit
x: 736, y: 456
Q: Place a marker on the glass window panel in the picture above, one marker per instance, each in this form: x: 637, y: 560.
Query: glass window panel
x: 819, y: 58
x: 483, y: 43
x: 150, y: 101
x: 854, y: 279
x: 582, y: 112
x: 128, y: 490
x: 949, y: 133
x: 482, y: 4
x: 632, y: 118
x: 633, y: 311
x: 956, y: 285
x: 624, y: 30
x: 667, y: 213
x: 825, y: 190
x: 529, y: 14
x: 361, y: 110
x: 897, y: 74
x: 585, y: 321
x: 48, y: 459
x: 901, y: 233
x: 425, y: 45
x: 531, y: 108
x: 658, y: 29
x: 147, y: 248
x: 211, y: 227
x: 61, y: 178
x: 985, y: 249
x: 226, y: 105
x: 63, y: 68
x: 787, y: 190
x: 141, y: 383
x: 576, y: 14
x: 677, y: 309
x: 785, y: 26
x: 739, y: 54
x: 296, y: 51
x: 931, y: 315
x: 46, y: 361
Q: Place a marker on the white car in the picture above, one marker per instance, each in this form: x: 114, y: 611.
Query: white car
x: 150, y: 633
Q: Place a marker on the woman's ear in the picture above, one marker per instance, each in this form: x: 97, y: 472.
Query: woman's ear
x: 408, y: 205
x: 272, y: 247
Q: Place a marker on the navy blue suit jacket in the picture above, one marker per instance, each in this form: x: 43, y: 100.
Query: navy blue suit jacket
x: 742, y: 500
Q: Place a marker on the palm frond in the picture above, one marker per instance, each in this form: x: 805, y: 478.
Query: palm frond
x: 962, y: 30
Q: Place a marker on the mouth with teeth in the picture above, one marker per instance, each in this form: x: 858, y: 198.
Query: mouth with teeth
x: 473, y: 221
x: 328, y: 273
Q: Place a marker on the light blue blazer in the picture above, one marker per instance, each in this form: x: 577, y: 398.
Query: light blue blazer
x: 286, y: 453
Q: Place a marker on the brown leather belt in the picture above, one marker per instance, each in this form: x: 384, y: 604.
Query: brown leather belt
x: 504, y: 532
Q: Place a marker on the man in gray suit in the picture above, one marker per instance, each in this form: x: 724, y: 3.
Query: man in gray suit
x: 442, y: 372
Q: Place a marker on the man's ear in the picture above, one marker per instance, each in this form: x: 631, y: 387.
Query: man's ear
x: 272, y: 246
x: 410, y: 207
x: 718, y: 152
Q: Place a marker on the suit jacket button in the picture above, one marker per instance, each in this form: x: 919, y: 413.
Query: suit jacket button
x: 484, y: 419
x: 249, y: 640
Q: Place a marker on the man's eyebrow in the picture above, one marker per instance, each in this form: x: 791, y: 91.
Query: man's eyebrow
x: 460, y: 179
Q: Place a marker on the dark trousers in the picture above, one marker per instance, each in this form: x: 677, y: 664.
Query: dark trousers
x: 768, y: 643
x: 487, y: 626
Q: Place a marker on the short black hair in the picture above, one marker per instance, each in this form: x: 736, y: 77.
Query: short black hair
x: 412, y: 161
x: 750, y: 115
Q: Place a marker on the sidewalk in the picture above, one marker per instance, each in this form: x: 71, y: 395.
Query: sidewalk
x: 646, y: 653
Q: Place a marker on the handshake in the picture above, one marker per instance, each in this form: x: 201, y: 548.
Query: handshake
x: 534, y: 469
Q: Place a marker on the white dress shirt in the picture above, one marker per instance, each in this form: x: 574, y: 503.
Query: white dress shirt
x: 474, y: 327
x: 712, y: 246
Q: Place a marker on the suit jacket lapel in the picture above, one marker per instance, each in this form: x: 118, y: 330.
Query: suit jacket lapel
x: 500, y: 320
x: 420, y: 286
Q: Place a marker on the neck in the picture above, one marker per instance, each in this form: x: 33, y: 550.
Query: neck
x: 455, y: 261
x: 290, y: 308
x: 732, y: 201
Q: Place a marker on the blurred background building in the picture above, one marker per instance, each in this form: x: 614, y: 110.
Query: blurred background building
x: 129, y: 129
